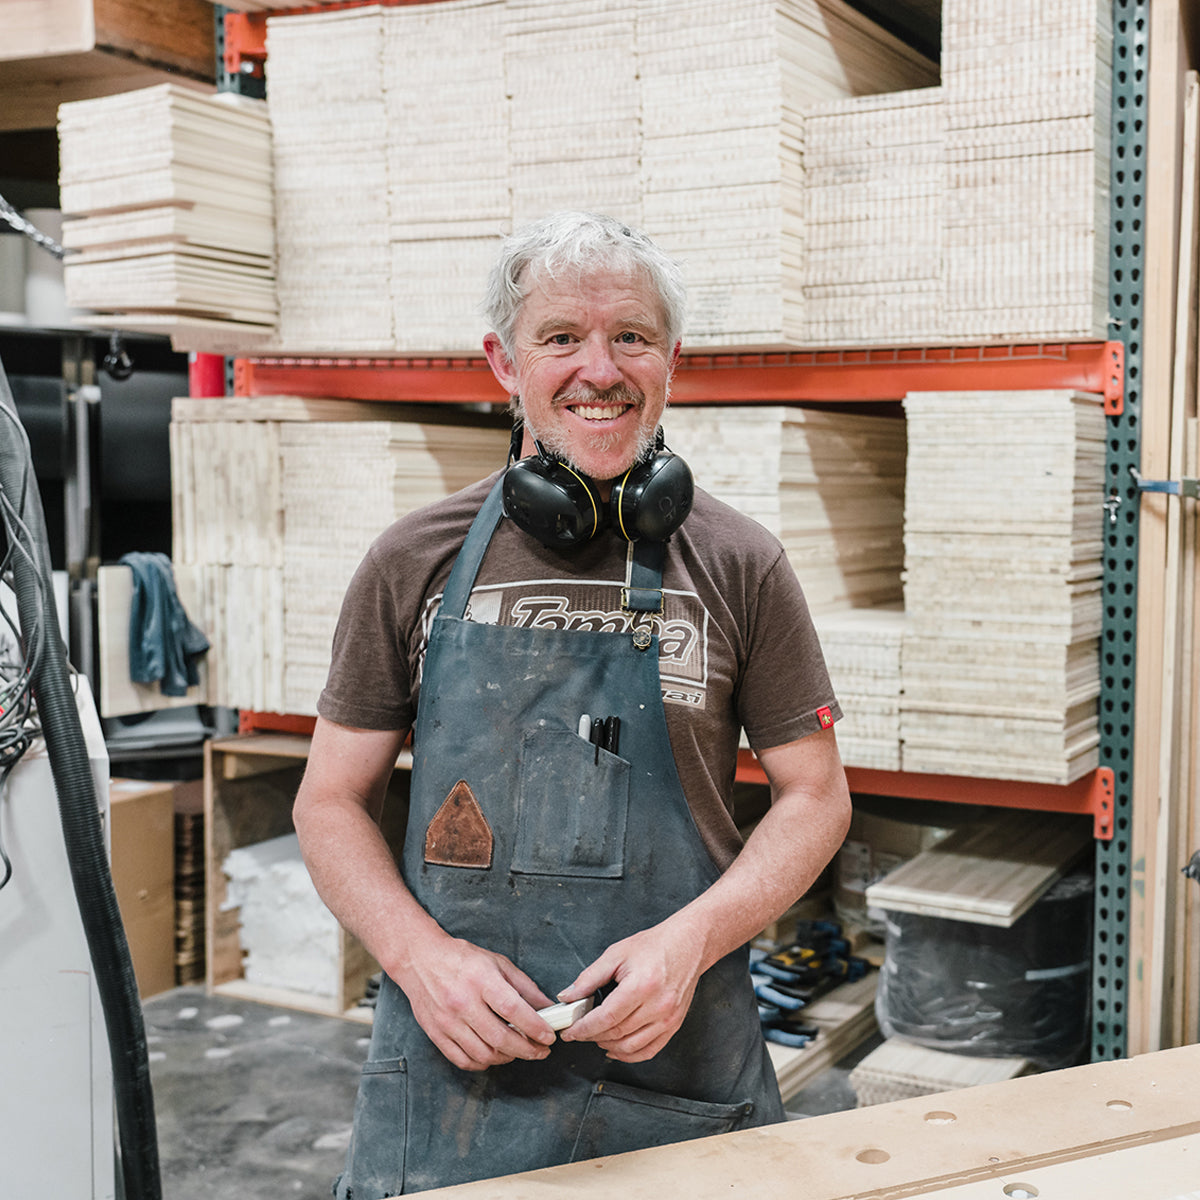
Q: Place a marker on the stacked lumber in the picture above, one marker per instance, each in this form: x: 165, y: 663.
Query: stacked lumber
x: 829, y: 485
x: 572, y: 78
x: 898, y: 1070
x: 989, y: 872
x: 447, y: 152
x: 862, y: 653
x: 1002, y: 567
x: 1027, y: 93
x: 189, y: 883
x: 875, y: 189
x: 370, y: 473
x: 331, y: 195
x: 684, y: 119
x: 725, y: 89
x: 263, y: 554
x: 167, y: 201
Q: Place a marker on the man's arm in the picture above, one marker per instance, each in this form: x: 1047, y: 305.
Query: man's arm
x: 475, y: 1006
x: 656, y: 971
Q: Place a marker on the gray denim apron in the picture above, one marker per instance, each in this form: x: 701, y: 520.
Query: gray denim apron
x: 528, y: 840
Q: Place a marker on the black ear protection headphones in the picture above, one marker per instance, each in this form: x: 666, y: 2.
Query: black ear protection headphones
x: 562, y: 508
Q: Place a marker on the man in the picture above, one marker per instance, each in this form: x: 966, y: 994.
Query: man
x: 540, y: 865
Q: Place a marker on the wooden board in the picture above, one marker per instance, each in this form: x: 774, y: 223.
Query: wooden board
x: 988, y: 873
x: 983, y: 1138
x: 896, y: 1070
x: 1164, y: 158
x: 57, y: 51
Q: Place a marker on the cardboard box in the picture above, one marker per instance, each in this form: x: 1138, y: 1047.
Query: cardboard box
x: 142, y: 818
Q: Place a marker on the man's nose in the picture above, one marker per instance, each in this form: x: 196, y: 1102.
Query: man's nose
x: 598, y: 366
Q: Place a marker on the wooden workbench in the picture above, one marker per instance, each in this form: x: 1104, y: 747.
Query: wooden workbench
x: 1127, y: 1129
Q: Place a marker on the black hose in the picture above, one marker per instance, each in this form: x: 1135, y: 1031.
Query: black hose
x: 79, y: 812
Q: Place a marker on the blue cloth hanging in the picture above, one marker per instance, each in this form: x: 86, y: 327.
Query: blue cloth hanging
x: 165, y: 647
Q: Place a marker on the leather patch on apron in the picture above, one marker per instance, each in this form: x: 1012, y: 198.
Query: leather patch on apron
x: 459, y: 835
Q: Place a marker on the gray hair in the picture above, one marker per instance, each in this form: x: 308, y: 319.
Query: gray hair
x: 579, y: 241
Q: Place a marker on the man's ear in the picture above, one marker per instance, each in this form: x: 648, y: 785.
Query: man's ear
x: 500, y: 363
x: 674, y: 359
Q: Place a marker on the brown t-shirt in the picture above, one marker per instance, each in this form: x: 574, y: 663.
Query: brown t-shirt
x: 737, y: 646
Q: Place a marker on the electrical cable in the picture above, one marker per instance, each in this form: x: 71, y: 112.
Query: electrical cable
x: 49, y: 685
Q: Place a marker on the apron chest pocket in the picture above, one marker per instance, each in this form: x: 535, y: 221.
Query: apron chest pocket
x: 572, y: 807
x: 620, y: 1118
x: 375, y: 1162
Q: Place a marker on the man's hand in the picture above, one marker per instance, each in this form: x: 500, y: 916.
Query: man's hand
x: 476, y: 1006
x: 656, y: 972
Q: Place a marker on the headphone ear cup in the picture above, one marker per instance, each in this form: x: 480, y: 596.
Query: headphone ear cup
x: 653, y: 499
x: 552, y: 503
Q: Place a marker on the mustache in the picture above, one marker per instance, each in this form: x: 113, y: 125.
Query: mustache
x: 619, y: 393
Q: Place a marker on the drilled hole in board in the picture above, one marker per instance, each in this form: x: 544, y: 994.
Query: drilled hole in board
x: 1119, y: 1105
x: 873, y: 1156
x: 940, y: 1118
x: 1020, y: 1191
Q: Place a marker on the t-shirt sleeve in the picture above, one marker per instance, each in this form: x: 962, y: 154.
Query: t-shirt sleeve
x: 784, y: 693
x: 369, y: 685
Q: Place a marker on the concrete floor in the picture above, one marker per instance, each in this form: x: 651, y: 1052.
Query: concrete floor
x: 257, y: 1101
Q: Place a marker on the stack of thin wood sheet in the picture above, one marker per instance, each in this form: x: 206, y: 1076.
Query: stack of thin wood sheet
x: 1003, y: 559
x: 575, y: 121
x: 725, y: 89
x: 682, y: 118
x: 276, y: 501
x: 189, y: 883
x: 447, y: 148
x: 829, y: 485
x: 875, y: 189
x: 989, y: 872
x: 862, y: 652
x: 331, y: 188
x: 1027, y: 93
x: 167, y: 201
x: 898, y: 1070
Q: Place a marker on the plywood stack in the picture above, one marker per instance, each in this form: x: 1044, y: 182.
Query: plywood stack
x: 681, y: 118
x: 1002, y: 547
x: 572, y: 80
x: 167, y: 201
x: 829, y: 485
x: 875, y: 189
x: 369, y: 473
x: 277, y: 500
x: 725, y: 89
x: 862, y: 653
x: 447, y: 152
x: 1027, y: 92
x: 331, y: 195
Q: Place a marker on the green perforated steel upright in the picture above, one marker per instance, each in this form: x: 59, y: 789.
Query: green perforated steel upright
x: 1110, y: 976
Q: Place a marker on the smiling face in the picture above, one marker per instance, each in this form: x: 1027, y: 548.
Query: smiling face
x: 591, y: 364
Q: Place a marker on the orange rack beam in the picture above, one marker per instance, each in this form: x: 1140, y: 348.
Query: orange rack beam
x: 742, y: 378
x: 1091, y: 795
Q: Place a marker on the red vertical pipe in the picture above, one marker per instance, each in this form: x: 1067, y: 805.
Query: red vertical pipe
x: 206, y: 374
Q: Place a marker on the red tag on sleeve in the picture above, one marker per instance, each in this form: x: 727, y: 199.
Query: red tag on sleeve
x: 825, y: 716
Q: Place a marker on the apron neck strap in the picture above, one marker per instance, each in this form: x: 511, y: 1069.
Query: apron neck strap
x: 643, y: 577
x: 466, y: 565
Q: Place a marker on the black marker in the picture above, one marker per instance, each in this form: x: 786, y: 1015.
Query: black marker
x: 597, y: 736
x: 612, y: 735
